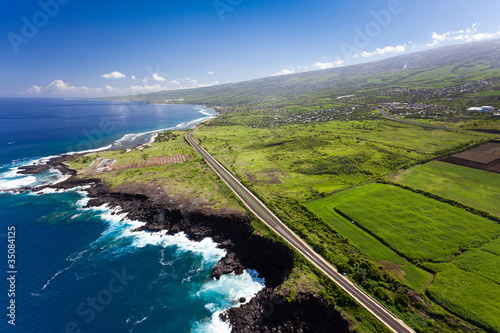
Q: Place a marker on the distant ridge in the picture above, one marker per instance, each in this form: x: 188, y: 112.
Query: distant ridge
x: 466, y: 60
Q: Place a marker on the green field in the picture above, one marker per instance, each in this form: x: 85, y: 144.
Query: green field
x: 302, y: 161
x: 372, y: 248
x: 493, y: 247
x: 418, y: 227
x: 468, y: 295
x: 472, y: 187
x: 423, y: 229
x: 481, y: 263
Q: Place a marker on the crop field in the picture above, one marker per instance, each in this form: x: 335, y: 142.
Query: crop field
x: 493, y: 247
x: 468, y: 295
x: 472, y: 187
x: 485, y: 157
x: 371, y: 247
x: 484, y: 154
x: 481, y: 263
x: 418, y: 227
x: 423, y: 229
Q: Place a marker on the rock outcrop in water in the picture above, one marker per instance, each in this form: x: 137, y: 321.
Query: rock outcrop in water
x: 54, y: 163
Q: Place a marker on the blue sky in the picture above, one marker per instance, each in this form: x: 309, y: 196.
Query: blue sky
x: 70, y: 48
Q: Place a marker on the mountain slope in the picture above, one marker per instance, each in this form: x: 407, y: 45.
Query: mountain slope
x: 449, y: 65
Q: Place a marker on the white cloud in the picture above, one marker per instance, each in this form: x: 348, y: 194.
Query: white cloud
x: 114, y: 75
x: 382, y: 51
x: 34, y: 90
x: 210, y: 73
x: 201, y: 85
x: 470, y: 34
x: 134, y: 89
x: 284, y: 72
x: 194, y: 81
x: 60, y: 88
x: 156, y: 77
x: 326, y: 65
x: 133, y: 77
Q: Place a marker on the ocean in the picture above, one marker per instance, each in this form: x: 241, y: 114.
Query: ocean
x: 82, y: 270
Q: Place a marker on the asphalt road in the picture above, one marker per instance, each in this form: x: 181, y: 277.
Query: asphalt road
x: 266, y: 216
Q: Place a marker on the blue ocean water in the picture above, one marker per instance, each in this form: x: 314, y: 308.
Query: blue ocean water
x: 83, y: 270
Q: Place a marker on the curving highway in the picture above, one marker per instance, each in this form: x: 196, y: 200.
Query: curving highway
x: 266, y: 216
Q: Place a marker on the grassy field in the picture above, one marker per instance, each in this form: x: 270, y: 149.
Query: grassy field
x: 420, y: 228
x: 302, y: 161
x: 472, y: 187
x: 481, y: 263
x: 371, y: 248
x: 468, y: 295
x: 288, y: 163
x: 493, y: 247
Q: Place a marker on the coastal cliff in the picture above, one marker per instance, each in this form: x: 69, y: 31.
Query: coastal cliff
x: 232, y: 231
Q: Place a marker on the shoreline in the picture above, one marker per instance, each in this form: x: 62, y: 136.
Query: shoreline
x: 232, y: 231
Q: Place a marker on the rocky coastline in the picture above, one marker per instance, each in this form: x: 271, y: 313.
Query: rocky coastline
x: 266, y: 312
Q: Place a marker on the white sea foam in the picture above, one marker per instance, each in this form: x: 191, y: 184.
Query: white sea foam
x: 234, y: 286
x: 204, y: 111
x: 219, y: 295
x: 227, y: 292
x: 15, y: 183
x: 215, y: 325
x: 85, y: 198
x: 41, y: 160
x: 89, y: 150
x: 13, y: 172
x: 12, y: 179
x: 76, y: 256
x: 184, y: 125
x: 121, y: 227
x: 191, y: 124
x: 55, y: 275
x: 79, y: 189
